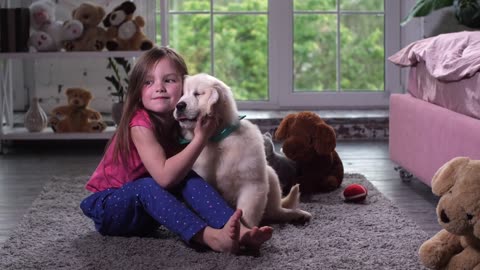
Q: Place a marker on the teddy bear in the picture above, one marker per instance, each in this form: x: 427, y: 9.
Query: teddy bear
x: 52, y: 40
x: 285, y: 168
x: 76, y: 116
x: 93, y: 37
x: 457, y: 245
x: 42, y: 42
x: 125, y: 31
x: 48, y: 33
x: 311, y: 143
x: 42, y: 13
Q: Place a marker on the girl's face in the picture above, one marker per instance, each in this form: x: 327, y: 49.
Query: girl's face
x: 162, y: 87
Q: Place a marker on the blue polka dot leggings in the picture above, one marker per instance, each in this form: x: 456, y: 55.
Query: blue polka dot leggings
x: 139, y: 207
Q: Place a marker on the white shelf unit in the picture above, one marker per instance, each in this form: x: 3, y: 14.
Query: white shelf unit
x: 36, y: 55
x: 7, y: 129
x: 48, y: 134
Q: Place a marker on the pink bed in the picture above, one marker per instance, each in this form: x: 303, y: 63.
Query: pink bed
x: 438, y: 118
x: 461, y: 96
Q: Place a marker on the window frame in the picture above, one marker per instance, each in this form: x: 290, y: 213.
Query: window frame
x: 281, y: 93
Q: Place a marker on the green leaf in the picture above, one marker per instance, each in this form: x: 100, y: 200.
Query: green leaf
x: 424, y: 7
x: 113, y: 81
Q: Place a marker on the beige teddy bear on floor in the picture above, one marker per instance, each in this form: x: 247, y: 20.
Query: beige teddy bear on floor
x: 457, y: 245
x: 76, y: 116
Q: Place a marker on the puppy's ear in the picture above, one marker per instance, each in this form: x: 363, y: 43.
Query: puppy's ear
x: 212, y: 100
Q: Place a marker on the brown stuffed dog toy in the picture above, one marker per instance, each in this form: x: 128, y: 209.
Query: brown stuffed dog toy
x: 124, y: 30
x: 310, y: 142
x: 457, y: 245
x: 77, y: 116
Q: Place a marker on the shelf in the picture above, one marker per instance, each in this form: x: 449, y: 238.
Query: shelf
x: 36, y: 55
x: 9, y: 132
x: 48, y: 134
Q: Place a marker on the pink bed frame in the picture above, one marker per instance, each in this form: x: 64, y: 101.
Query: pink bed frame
x: 424, y: 136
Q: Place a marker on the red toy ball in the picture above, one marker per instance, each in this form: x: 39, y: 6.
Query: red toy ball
x: 355, y: 193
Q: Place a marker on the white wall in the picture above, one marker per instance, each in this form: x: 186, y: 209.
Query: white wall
x: 53, y: 77
x: 438, y: 22
x: 412, y: 30
x: 442, y: 21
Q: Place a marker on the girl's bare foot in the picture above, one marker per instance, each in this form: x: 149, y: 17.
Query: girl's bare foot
x: 225, y: 239
x: 255, y: 237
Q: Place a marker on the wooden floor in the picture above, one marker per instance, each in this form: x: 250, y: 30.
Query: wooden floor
x: 24, y: 169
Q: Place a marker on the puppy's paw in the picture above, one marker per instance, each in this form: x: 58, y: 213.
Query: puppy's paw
x: 292, y: 200
x: 302, y: 217
x: 295, y: 191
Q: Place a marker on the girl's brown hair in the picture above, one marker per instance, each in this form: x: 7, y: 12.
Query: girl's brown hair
x: 133, y: 102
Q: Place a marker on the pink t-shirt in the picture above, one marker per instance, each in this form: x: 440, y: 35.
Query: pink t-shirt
x: 110, y: 174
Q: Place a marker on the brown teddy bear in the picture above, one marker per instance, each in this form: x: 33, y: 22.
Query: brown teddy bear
x: 94, y: 37
x: 310, y: 142
x: 125, y: 32
x: 457, y: 245
x: 77, y: 116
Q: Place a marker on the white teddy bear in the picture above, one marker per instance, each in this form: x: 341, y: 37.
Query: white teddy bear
x: 71, y: 29
x: 49, y: 34
x: 42, y: 42
x: 53, y: 40
x: 42, y: 13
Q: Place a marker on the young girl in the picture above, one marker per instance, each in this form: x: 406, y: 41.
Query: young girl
x: 145, y: 174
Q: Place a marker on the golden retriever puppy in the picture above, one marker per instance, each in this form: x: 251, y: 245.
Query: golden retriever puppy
x: 234, y: 160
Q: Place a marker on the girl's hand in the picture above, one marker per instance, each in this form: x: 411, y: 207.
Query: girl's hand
x: 205, y: 127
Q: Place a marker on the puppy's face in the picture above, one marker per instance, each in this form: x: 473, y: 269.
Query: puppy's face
x: 200, y: 94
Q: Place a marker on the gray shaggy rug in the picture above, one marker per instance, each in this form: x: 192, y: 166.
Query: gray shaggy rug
x: 54, y: 234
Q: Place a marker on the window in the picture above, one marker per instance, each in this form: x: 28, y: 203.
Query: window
x: 226, y: 38
x: 289, y: 53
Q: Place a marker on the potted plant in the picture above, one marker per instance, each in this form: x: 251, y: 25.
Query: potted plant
x: 119, y: 81
x: 467, y: 12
